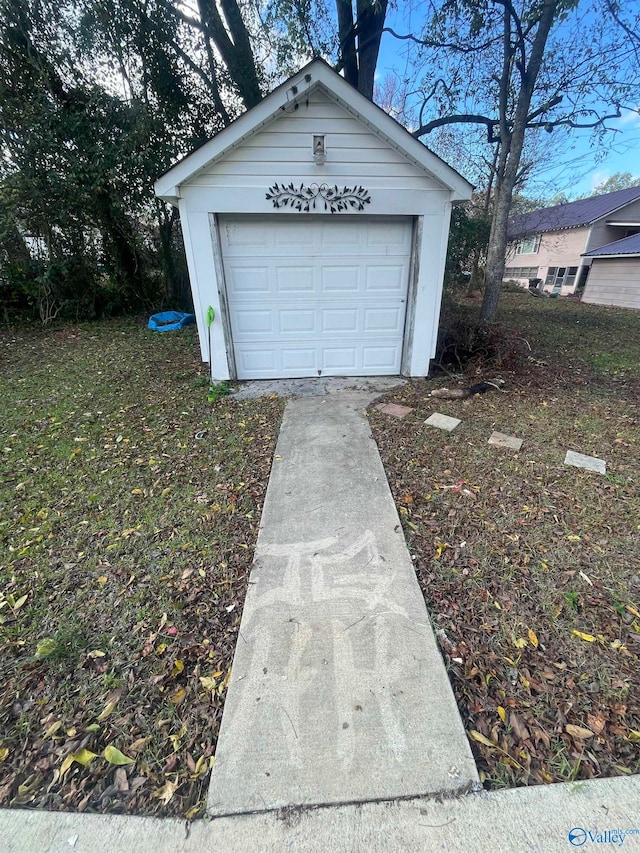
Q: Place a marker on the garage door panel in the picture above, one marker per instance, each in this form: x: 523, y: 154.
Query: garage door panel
x: 342, y: 279
x: 248, y: 280
x: 339, y: 320
x: 339, y: 359
x: 299, y: 359
x: 380, y: 359
x: 297, y: 235
x: 388, y: 278
x: 239, y: 237
x: 257, y: 360
x: 291, y: 280
x: 297, y: 321
x: 257, y: 324
x: 384, y: 319
x: 316, y: 295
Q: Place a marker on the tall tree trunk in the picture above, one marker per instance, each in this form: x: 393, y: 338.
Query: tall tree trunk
x: 347, y: 40
x: 232, y: 42
x: 511, y: 144
x: 371, y: 18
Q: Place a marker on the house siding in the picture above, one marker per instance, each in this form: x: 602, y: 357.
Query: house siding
x: 601, y: 233
x: 557, y: 249
x: 614, y: 281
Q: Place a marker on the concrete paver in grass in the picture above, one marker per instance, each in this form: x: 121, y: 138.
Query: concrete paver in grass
x: 394, y: 409
x: 338, y: 691
x: 500, y: 439
x: 444, y: 422
x: 589, y: 463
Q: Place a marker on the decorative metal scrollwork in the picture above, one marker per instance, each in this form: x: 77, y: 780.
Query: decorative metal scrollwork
x: 309, y: 198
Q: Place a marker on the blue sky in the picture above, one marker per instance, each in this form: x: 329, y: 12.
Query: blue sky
x: 576, y: 164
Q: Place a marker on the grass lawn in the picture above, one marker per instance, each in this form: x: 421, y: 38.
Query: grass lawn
x: 129, y: 508
x: 530, y: 568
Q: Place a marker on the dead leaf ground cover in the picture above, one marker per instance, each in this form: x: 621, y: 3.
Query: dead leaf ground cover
x: 531, y: 569
x: 129, y: 508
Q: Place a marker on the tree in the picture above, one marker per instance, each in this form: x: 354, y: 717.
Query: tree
x: 513, y: 69
x: 617, y: 181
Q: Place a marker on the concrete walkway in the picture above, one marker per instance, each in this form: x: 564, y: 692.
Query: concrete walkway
x: 338, y: 692
x: 522, y: 820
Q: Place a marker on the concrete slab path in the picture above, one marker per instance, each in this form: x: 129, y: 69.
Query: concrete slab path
x: 338, y: 691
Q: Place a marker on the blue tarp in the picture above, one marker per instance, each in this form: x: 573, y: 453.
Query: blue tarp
x: 167, y: 321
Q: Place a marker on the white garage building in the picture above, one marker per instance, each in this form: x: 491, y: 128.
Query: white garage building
x: 316, y: 228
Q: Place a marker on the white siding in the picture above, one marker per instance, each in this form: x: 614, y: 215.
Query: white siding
x: 282, y: 152
x: 614, y: 281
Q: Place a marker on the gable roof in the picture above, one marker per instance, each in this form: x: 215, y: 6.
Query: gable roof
x: 626, y: 246
x: 571, y: 215
x: 317, y: 74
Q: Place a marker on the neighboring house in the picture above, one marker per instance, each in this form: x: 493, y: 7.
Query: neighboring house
x: 316, y: 227
x: 614, y: 278
x: 555, y: 244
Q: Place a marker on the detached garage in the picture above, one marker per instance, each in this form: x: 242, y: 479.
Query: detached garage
x: 316, y: 228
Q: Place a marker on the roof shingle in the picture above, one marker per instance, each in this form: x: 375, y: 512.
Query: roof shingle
x: 571, y: 215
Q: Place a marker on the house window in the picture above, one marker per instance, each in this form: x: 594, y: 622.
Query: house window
x: 528, y: 245
x: 521, y: 272
x: 558, y: 277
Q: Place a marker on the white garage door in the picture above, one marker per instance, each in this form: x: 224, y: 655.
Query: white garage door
x: 317, y: 295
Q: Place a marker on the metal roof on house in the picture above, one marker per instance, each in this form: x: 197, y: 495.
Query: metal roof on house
x: 626, y: 246
x: 571, y: 215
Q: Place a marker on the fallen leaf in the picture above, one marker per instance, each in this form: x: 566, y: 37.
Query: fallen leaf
x: 482, y: 739
x: 167, y: 791
x: 114, y: 756
x: 121, y: 781
x: 588, y: 637
x: 502, y: 713
x: 596, y: 723
x: 634, y: 735
x: 532, y: 638
x: 178, y: 667
x: 20, y: 601
x: 139, y: 744
x: 177, y: 697
x: 112, y: 701
x: 46, y: 647
x: 4, y: 752
x: 519, y: 728
x: 83, y: 757
x: 578, y: 732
